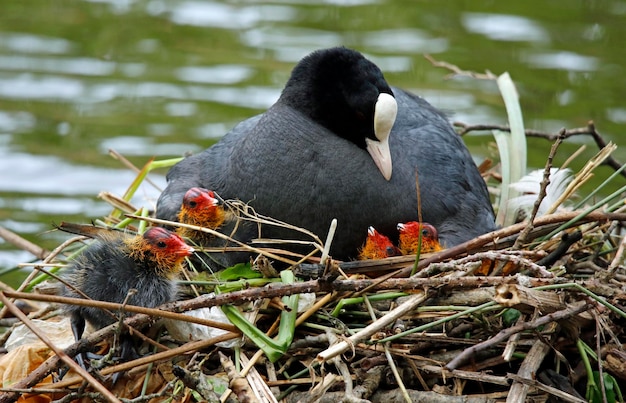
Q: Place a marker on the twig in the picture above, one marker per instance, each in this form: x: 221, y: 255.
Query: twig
x: 122, y: 307
x: 468, y: 375
x: 82, y: 345
x: 396, y: 374
x: 35, y: 272
x: 493, y: 237
x: 281, y: 290
x: 369, y: 330
x: 542, y: 192
x: 549, y: 389
x: 24, y: 244
x: 113, y: 153
x: 498, y: 239
x: 505, y: 256
x: 506, y: 333
x: 258, y: 384
x: 590, y: 130
x: 619, y: 257
x: 162, y: 356
x: 215, y: 233
x: 237, y: 383
x: 59, y: 352
x: 458, y: 71
x: 528, y: 369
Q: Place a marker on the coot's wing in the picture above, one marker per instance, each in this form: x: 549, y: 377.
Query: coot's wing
x: 454, y: 197
x: 209, y: 168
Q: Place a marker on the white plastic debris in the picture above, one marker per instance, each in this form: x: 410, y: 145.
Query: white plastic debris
x: 59, y: 332
x: 187, y: 331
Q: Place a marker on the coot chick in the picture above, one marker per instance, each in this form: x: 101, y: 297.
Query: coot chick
x: 202, y: 207
x: 324, y: 151
x: 377, y: 246
x: 409, y: 238
x: 114, y: 264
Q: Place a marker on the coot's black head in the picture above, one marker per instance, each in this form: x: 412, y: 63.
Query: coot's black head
x: 346, y: 93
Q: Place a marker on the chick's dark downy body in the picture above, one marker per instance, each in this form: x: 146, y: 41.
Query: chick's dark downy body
x: 305, y: 160
x: 116, y: 263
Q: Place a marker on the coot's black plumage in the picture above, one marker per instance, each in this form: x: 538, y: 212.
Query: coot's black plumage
x: 304, y: 161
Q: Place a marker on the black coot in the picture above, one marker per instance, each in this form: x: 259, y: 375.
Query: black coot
x: 321, y: 152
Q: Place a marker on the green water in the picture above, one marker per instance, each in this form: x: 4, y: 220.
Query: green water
x: 160, y: 78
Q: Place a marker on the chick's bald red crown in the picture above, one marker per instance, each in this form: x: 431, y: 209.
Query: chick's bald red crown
x: 197, y: 197
x: 377, y: 246
x: 414, y: 227
x: 167, y: 242
x: 413, y: 234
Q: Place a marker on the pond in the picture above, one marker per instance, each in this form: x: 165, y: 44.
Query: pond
x: 159, y: 78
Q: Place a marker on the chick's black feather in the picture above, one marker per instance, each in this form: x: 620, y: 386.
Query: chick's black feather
x: 106, y: 272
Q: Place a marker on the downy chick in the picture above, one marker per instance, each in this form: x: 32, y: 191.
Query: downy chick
x: 114, y: 264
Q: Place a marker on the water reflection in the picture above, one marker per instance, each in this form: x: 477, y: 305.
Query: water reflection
x: 289, y: 44
x: 404, y: 40
x: 133, y: 145
x: 220, y: 15
x: 568, y: 61
x: 224, y: 74
x: 79, y: 66
x: 52, y: 175
x: 27, y: 43
x: 501, y: 27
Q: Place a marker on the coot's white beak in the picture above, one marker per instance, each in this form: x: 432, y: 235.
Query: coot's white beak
x: 384, y: 117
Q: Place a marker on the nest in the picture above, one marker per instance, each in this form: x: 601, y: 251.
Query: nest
x: 531, y: 312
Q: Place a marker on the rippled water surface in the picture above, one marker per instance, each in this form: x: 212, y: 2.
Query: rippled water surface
x: 160, y: 78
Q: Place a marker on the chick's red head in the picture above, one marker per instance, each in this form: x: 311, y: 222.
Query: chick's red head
x: 377, y: 246
x: 158, y: 250
x: 199, y: 198
x: 409, y: 238
x: 201, y: 207
x: 163, y: 242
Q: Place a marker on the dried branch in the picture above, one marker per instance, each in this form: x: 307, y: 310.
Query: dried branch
x: 368, y: 331
x: 24, y: 244
x: 589, y: 130
x: 542, y: 192
x: 506, y: 333
x: 528, y: 369
x: 456, y: 70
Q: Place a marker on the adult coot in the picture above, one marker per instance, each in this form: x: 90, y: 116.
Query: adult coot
x: 324, y: 151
